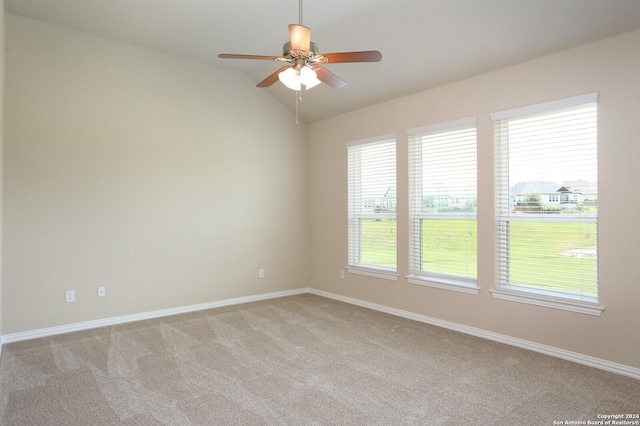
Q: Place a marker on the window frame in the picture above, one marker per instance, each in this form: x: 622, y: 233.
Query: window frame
x: 354, y: 218
x: 504, y: 217
x: 417, y: 275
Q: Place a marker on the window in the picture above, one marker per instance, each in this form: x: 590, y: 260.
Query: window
x: 443, y: 204
x: 372, y: 207
x: 547, y: 204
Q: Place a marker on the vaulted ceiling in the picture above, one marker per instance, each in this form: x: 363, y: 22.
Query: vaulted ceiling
x: 424, y: 43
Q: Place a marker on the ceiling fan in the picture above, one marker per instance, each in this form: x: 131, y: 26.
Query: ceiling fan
x: 304, y: 61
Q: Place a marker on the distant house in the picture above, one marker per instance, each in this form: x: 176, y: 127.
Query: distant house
x: 550, y: 195
x: 521, y: 189
x: 565, y: 196
x: 437, y: 201
x: 589, y: 190
x: 384, y: 203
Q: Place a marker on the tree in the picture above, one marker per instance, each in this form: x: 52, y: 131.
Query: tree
x: 470, y: 205
x: 532, y: 199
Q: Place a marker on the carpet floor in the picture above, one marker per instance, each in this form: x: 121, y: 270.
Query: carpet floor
x: 299, y: 360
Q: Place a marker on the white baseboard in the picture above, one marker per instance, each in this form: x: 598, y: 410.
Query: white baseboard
x: 525, y: 344
x: 51, y: 331
x: 578, y: 358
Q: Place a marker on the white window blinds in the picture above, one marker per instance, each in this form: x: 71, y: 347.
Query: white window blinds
x: 443, y: 203
x: 547, y: 199
x: 372, y: 204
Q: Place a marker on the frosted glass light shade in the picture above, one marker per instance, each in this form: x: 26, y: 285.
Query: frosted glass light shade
x: 294, y: 80
x: 309, y: 78
x: 290, y: 79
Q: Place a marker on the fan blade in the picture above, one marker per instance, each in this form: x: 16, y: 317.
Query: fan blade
x: 232, y: 56
x: 365, y: 56
x: 329, y: 78
x: 272, y: 78
x: 300, y: 37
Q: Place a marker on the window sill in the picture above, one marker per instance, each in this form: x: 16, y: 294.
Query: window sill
x: 373, y: 272
x: 548, y: 301
x: 451, y: 284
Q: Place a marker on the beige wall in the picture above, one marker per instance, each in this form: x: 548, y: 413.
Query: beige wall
x: 168, y: 181
x: 610, y: 67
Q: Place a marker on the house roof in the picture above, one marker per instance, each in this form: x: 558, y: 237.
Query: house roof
x: 583, y: 187
x: 523, y: 188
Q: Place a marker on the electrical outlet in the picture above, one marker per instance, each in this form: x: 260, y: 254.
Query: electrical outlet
x: 261, y: 273
x: 342, y: 274
x: 70, y: 296
x: 101, y: 292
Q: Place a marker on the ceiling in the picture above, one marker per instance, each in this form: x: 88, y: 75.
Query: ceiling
x: 424, y: 43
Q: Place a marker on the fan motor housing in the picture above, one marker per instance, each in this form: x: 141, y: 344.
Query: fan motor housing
x: 313, y: 49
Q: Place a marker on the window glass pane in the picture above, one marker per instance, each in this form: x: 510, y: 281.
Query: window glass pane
x: 554, y: 151
x: 378, y: 238
x: 557, y: 256
x: 378, y: 178
x: 449, y: 246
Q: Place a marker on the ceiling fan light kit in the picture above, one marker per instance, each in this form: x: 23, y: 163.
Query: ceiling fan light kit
x: 293, y: 78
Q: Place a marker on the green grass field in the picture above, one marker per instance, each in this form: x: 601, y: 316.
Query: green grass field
x: 566, y: 250
x: 378, y: 242
x: 540, y: 252
x: 449, y: 247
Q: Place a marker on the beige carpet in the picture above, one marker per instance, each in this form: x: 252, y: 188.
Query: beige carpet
x: 298, y: 360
